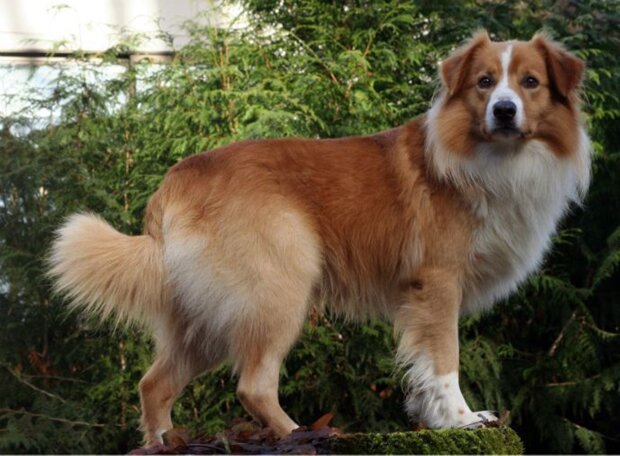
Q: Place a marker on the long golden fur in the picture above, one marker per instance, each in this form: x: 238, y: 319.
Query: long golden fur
x: 420, y: 224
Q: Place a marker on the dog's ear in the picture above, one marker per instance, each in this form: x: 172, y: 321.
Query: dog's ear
x: 455, y: 68
x: 564, y: 69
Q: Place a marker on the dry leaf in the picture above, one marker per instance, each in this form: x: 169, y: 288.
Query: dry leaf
x: 322, y: 422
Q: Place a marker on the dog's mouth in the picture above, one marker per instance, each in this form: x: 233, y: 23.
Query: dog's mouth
x: 507, y: 132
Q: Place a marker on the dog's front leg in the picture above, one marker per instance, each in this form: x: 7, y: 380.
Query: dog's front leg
x: 427, y: 326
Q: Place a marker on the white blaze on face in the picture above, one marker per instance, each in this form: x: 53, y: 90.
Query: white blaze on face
x: 503, y: 92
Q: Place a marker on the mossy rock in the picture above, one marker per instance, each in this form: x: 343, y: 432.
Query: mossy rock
x: 502, y: 440
x: 249, y: 438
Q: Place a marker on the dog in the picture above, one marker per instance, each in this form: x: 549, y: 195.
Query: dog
x: 435, y: 219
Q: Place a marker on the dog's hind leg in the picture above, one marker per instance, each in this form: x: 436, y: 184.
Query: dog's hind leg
x: 258, y: 392
x: 262, y: 343
x: 248, y: 274
x: 159, y: 388
x: 263, y: 337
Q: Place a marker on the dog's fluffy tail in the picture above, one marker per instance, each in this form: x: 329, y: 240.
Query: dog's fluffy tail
x: 107, y: 273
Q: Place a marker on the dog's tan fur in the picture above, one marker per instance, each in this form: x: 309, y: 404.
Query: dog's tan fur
x: 239, y: 242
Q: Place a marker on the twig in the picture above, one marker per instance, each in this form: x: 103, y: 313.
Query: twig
x: 57, y: 377
x: 318, y: 59
x: 370, y: 40
x: 51, y: 418
x: 570, y: 383
x: 20, y: 379
x: 558, y: 339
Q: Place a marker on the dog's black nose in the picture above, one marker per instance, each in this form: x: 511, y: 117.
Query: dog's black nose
x: 504, y: 111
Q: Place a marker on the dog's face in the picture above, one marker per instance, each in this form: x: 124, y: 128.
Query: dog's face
x: 511, y: 91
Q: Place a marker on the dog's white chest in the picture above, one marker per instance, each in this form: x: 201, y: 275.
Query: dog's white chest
x: 525, y: 197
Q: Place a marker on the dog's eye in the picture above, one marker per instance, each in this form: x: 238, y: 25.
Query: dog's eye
x: 485, y: 82
x: 530, y: 82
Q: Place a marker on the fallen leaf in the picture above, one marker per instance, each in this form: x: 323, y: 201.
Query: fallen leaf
x: 322, y: 422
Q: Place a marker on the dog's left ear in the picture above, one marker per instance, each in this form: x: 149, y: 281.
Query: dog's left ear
x: 455, y: 68
x: 564, y: 69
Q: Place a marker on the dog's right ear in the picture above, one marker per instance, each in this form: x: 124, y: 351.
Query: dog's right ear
x: 455, y: 68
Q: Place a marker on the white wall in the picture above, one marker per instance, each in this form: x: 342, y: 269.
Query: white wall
x: 93, y: 25
x: 35, y: 27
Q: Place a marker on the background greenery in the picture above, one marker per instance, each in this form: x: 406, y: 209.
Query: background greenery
x: 311, y: 68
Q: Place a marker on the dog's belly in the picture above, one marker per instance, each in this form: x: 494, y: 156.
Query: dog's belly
x: 354, y: 303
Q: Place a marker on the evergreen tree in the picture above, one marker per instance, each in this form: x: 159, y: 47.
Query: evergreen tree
x: 312, y: 68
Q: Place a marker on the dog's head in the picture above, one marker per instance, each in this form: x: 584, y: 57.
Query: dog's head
x: 509, y: 91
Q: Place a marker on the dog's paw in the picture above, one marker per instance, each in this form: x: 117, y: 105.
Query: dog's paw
x: 476, y: 420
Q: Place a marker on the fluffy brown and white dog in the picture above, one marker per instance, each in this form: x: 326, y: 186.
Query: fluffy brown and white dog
x: 438, y: 218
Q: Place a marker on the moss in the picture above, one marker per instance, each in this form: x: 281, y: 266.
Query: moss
x: 448, y: 441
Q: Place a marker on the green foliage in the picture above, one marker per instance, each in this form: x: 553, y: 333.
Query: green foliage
x: 316, y: 69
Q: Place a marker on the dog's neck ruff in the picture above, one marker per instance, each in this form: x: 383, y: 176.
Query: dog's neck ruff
x: 517, y: 192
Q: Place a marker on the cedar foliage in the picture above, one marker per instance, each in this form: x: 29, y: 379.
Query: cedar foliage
x: 312, y: 68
